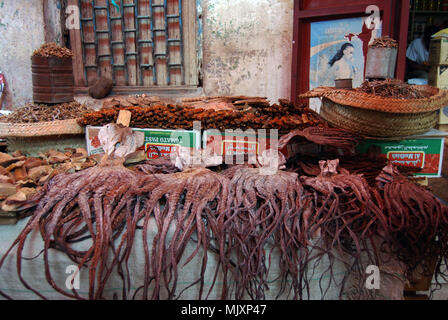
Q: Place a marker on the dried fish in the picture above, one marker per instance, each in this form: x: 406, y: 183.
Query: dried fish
x: 284, y: 116
x: 31, y: 113
x: 392, y: 88
x: 52, y: 49
x: 384, y: 42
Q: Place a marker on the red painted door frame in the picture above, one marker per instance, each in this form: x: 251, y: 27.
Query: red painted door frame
x: 394, y: 15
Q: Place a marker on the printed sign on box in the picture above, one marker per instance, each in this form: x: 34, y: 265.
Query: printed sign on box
x: 237, y: 142
x: 407, y: 158
x: 438, y: 76
x: 252, y: 142
x: 424, y: 153
x: 165, y: 141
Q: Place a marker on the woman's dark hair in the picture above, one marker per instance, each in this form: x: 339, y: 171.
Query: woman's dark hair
x: 340, y: 53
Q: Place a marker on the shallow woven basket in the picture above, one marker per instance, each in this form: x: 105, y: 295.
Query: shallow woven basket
x: 357, y: 99
x: 40, y: 129
x: 376, y: 116
x: 377, y: 124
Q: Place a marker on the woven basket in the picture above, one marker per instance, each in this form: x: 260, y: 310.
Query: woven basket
x: 375, y: 123
x: 437, y: 100
x: 40, y: 129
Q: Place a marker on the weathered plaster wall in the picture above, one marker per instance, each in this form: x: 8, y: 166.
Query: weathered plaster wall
x: 21, y: 29
x: 247, y: 47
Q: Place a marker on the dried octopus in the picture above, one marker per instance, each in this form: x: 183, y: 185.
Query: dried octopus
x: 263, y: 211
x: 194, y: 202
x: 369, y: 165
x: 416, y: 221
x: 344, y: 216
x: 336, y: 138
x: 105, y: 204
x: 243, y: 215
x: 268, y: 206
x: 95, y: 203
x: 157, y: 165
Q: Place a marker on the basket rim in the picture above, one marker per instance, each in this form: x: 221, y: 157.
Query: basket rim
x: 362, y: 100
x: 36, y: 129
x: 369, y: 123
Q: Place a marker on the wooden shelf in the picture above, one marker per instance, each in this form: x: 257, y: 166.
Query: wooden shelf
x: 429, y: 12
x: 420, y: 17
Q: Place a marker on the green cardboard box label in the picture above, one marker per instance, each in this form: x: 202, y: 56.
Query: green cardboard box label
x: 238, y: 142
x: 165, y: 141
x: 424, y: 153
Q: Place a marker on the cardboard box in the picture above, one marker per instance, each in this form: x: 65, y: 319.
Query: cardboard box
x: 424, y: 151
x: 444, y: 127
x: 443, y: 115
x: 166, y: 141
x: 231, y: 143
x: 445, y: 160
x: 249, y: 145
x: 438, y: 52
x: 438, y: 76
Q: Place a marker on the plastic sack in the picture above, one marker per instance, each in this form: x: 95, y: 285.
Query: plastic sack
x: 119, y: 141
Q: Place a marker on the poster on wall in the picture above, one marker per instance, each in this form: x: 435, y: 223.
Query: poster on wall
x: 338, y: 50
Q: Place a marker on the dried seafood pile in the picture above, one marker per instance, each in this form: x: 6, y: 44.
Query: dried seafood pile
x: 52, y: 49
x: 131, y: 101
x: 392, y: 88
x: 283, y: 116
x: 31, y: 113
x: 262, y: 208
x: 207, y: 103
x: 21, y: 176
x: 384, y: 42
x: 369, y: 165
x: 415, y: 224
x: 240, y: 215
x: 225, y: 102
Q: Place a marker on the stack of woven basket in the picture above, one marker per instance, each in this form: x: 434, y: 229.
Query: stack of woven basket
x: 376, y: 116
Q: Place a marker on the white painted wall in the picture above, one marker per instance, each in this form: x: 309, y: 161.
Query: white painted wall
x: 21, y: 29
x: 248, y: 47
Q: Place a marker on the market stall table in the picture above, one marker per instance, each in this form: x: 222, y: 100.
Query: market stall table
x: 33, y: 271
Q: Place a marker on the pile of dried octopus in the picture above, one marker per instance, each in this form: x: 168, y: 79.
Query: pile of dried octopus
x: 307, y: 212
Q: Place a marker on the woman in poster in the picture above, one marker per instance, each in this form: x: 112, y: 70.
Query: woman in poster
x: 341, y: 65
x: 338, y: 49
